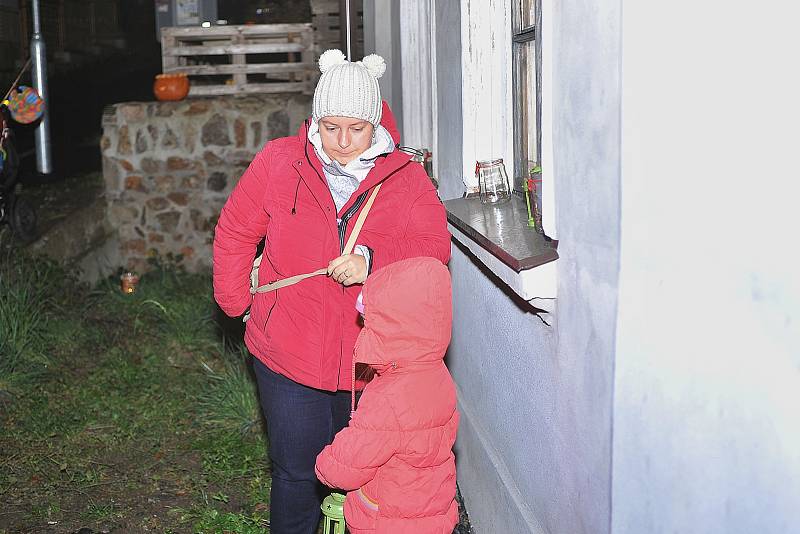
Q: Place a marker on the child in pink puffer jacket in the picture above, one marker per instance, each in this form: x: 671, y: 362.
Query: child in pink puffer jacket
x: 395, y: 458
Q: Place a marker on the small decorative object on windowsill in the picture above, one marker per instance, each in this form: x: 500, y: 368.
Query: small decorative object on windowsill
x: 424, y: 157
x: 427, y: 163
x: 492, y: 181
x: 128, y: 282
x: 532, y: 198
x: 333, y: 514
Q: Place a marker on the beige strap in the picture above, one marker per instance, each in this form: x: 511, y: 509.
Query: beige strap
x: 348, y: 249
x: 351, y: 243
x: 289, y: 281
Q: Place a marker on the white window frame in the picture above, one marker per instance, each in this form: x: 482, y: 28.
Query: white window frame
x: 524, y: 34
x: 546, y: 125
x: 487, y: 111
x: 538, y: 33
x: 486, y: 95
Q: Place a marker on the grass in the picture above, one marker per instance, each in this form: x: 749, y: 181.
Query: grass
x: 232, y: 402
x: 26, y: 294
x: 126, y: 412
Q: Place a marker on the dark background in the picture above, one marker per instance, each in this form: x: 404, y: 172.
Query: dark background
x: 83, y: 82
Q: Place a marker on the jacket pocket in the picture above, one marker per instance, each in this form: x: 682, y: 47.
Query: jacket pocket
x: 360, y: 512
x: 262, y: 309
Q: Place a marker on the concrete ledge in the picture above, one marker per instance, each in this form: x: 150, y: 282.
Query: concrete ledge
x: 83, y: 238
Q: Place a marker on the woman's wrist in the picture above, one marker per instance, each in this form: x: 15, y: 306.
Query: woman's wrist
x: 366, y: 252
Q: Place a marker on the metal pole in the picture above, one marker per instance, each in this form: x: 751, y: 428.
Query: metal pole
x: 347, y: 25
x: 44, y: 162
x: 344, y: 29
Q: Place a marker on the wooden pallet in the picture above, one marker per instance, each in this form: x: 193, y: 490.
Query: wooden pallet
x: 326, y: 21
x: 229, y: 60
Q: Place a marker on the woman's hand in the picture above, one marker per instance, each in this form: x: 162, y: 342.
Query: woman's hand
x: 348, y: 269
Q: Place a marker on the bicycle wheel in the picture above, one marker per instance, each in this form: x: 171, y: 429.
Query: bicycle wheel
x: 22, y: 219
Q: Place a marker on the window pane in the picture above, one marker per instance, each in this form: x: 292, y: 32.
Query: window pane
x: 525, y: 14
x: 526, y: 110
x: 529, y: 79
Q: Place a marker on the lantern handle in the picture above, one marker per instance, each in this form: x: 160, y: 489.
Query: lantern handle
x: 21, y: 72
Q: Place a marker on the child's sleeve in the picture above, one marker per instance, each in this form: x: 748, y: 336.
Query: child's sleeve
x: 371, y: 438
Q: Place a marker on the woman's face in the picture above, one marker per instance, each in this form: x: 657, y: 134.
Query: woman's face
x: 345, y: 138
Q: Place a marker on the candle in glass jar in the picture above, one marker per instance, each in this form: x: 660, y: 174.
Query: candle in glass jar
x: 128, y: 282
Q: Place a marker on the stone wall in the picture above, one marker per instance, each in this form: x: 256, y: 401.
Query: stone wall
x: 169, y: 167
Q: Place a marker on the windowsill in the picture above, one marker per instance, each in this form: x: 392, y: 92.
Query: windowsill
x: 499, y: 236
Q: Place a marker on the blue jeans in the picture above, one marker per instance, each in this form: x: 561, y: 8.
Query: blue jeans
x: 301, y: 421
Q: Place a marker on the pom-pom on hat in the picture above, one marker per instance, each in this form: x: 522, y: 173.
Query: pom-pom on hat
x: 349, y: 89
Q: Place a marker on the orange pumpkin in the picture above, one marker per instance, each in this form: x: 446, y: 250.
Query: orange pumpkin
x: 171, y: 86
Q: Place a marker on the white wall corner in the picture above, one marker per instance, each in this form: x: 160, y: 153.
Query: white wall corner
x: 434, y: 130
x: 415, y: 45
x: 384, y: 28
x: 549, y: 180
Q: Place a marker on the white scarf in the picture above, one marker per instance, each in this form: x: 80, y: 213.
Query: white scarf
x: 343, y: 180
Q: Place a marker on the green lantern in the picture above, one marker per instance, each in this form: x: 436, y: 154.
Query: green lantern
x: 333, y: 514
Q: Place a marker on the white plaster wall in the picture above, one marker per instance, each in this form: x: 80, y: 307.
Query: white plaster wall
x: 415, y: 34
x: 487, y: 131
x: 534, y: 449
x: 586, y: 161
x: 447, y: 102
x: 508, y: 450
x: 382, y: 36
x: 706, y: 424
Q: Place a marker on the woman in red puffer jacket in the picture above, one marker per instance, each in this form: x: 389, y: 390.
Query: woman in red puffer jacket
x: 396, y: 455
x: 302, y: 195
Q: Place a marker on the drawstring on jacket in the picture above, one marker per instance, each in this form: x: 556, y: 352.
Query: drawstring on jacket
x: 296, y: 189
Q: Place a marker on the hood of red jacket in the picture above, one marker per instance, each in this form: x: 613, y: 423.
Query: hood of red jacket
x: 387, y: 121
x: 408, y: 314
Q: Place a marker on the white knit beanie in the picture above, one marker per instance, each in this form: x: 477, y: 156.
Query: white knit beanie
x: 349, y: 89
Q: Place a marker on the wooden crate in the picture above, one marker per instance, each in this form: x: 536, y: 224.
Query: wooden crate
x: 225, y: 60
x: 326, y: 21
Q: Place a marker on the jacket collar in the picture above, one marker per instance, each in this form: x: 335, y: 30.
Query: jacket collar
x: 382, y: 144
x: 314, y: 177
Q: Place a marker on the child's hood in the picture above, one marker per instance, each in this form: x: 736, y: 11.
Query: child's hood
x: 407, y: 313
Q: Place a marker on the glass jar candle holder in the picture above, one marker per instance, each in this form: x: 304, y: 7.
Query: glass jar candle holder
x: 492, y: 181
x: 128, y: 282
